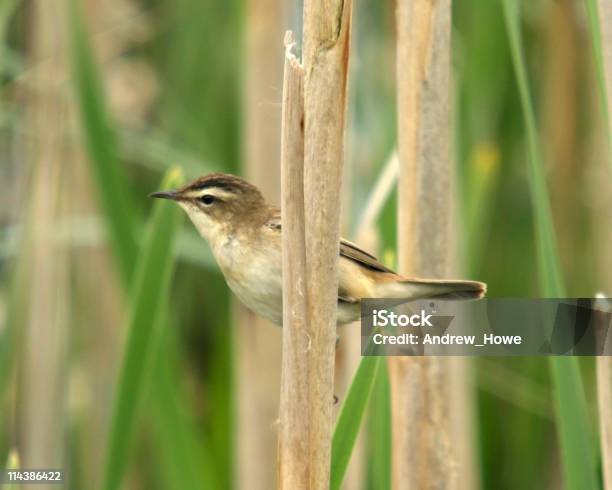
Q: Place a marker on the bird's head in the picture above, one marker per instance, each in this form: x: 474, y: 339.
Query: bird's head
x: 218, y: 204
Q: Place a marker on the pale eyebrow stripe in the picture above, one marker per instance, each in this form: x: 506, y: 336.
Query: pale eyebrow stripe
x: 212, y: 191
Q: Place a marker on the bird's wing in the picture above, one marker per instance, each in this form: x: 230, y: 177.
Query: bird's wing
x: 356, y: 254
x: 347, y: 249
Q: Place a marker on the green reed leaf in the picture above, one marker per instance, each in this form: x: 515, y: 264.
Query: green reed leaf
x: 152, y: 277
x: 186, y: 459
x: 379, y: 432
x: 109, y: 176
x: 349, y: 420
x: 571, y: 408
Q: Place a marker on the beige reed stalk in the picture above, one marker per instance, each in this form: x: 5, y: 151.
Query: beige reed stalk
x: 293, y: 444
x: 310, y: 250
x: 42, y: 388
x: 604, y: 364
x: 259, y: 343
x: 326, y: 45
x: 604, y: 397
x: 605, y: 24
x: 422, y: 451
x: 561, y: 69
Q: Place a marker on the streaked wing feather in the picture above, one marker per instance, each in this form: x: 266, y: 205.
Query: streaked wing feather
x: 347, y: 248
x: 353, y: 252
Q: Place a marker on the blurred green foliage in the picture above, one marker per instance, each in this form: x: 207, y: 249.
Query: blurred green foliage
x: 148, y: 295
x: 572, y: 418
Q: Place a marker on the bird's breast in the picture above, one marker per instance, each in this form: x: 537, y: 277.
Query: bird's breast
x: 253, y: 271
x: 254, y: 275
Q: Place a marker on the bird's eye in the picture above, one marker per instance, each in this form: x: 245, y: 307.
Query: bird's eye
x: 207, y: 199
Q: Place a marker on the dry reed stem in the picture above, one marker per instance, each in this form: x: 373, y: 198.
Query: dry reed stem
x: 326, y: 36
x: 560, y: 109
x: 293, y: 445
x: 258, y: 342
x: 605, y: 22
x: 463, y: 399
x: 42, y: 388
x: 311, y: 221
x: 262, y: 94
x: 604, y: 397
x: 604, y: 364
x: 422, y: 452
x: 603, y: 369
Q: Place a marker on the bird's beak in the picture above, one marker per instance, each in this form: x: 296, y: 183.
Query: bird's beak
x: 172, y: 195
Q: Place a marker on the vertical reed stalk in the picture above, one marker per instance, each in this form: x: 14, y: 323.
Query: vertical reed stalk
x: 293, y: 445
x: 309, y: 333
x: 559, y: 126
x: 600, y: 17
x: 42, y: 388
x: 259, y: 343
x: 464, y: 423
x: 326, y: 45
x: 600, y: 23
x: 601, y: 27
x: 422, y: 453
x: 604, y: 397
x: 605, y: 29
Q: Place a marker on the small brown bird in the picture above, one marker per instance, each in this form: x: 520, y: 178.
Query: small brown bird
x: 244, y: 233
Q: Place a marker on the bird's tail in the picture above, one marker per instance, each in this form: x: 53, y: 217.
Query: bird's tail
x: 414, y: 288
